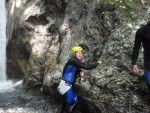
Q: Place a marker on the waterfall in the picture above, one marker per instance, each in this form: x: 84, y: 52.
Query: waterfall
x: 5, y: 85
x: 2, y: 41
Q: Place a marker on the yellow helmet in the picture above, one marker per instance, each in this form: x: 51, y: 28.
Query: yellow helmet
x: 75, y: 49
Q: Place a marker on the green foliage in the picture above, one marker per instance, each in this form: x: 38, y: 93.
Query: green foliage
x: 126, y: 5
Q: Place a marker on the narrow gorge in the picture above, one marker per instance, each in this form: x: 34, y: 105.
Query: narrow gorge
x: 41, y: 33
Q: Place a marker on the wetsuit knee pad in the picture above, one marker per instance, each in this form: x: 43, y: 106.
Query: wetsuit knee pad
x: 147, y: 76
x: 71, y: 97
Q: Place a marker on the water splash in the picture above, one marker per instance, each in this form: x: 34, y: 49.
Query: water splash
x: 9, y: 86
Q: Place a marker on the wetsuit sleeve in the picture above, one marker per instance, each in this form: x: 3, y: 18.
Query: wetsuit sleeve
x: 137, y: 44
x: 83, y: 65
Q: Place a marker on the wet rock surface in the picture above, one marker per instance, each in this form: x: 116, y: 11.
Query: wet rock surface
x: 41, y: 34
x: 27, y: 101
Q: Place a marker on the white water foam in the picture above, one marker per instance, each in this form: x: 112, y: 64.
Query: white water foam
x: 9, y: 86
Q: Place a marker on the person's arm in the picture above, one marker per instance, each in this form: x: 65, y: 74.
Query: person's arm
x: 135, y: 53
x: 80, y: 73
x: 83, y: 65
x: 137, y: 44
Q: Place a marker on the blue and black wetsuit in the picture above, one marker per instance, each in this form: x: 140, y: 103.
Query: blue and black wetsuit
x: 70, y: 73
x: 143, y: 36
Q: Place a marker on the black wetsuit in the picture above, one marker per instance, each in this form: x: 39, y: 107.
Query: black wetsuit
x: 79, y: 65
x: 70, y: 94
x: 142, y: 36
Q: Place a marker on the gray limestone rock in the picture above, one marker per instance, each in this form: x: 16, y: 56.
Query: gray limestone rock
x: 41, y: 34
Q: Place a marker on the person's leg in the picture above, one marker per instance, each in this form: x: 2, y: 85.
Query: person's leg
x: 147, y: 77
x: 72, y: 100
x: 67, y: 101
x: 65, y: 106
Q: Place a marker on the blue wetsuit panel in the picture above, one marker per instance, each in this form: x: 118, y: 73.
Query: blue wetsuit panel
x: 69, y: 75
x: 147, y: 76
x: 71, y: 97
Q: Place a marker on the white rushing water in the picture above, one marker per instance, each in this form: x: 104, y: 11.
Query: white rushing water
x: 5, y: 85
x: 2, y: 41
x: 9, y: 86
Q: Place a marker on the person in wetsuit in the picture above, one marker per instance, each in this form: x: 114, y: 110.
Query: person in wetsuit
x: 71, y: 71
x: 142, y: 37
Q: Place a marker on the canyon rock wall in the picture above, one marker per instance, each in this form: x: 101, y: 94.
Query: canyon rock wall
x: 41, y: 34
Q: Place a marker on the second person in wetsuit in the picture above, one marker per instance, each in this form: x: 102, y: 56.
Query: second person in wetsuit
x: 71, y: 71
x: 142, y: 37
